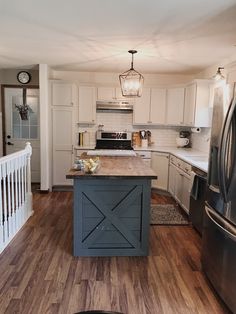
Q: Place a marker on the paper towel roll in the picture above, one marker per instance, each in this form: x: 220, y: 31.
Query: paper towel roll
x: 196, y: 130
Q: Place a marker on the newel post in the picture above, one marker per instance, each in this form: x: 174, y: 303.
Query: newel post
x: 28, y: 149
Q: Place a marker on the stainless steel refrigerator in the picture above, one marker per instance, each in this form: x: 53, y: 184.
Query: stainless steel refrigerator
x: 219, y: 229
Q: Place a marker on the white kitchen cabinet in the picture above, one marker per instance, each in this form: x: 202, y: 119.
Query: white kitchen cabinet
x: 197, y: 104
x: 110, y: 93
x: 157, y: 106
x: 142, y: 108
x: 160, y: 165
x: 150, y: 108
x: 172, y: 179
x: 63, y: 94
x: 175, y: 106
x: 87, y: 104
x: 179, y: 182
x: 62, y: 144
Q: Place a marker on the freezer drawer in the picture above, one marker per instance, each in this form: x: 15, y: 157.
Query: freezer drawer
x: 219, y: 256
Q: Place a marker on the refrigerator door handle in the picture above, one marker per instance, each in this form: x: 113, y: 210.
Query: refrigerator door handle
x: 230, y: 231
x: 222, y: 150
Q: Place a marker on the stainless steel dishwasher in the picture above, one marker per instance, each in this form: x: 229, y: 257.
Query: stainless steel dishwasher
x: 197, y: 199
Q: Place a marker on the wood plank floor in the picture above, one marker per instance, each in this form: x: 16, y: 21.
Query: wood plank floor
x: 40, y: 275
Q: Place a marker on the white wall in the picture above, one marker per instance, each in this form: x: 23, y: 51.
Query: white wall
x: 112, y: 79
x: 45, y: 151
x: 201, y: 140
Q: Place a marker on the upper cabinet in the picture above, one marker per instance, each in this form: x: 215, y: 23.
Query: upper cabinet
x: 197, y: 104
x: 150, y: 108
x: 175, y: 106
x: 87, y: 104
x: 110, y: 93
x: 63, y: 94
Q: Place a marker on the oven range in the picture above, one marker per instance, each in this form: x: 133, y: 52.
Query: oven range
x: 110, y: 143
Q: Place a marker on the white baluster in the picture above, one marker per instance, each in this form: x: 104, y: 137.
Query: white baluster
x: 1, y: 213
x: 13, y: 199
x: 15, y: 193
x: 29, y: 193
x: 8, y: 168
x: 5, y: 238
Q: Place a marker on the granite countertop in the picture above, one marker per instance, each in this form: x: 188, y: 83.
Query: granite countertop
x: 192, y: 156
x: 117, y: 168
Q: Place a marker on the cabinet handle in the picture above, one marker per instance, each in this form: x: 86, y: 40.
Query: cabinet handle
x: 72, y: 103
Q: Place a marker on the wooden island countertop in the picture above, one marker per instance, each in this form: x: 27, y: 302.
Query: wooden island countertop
x: 116, y: 167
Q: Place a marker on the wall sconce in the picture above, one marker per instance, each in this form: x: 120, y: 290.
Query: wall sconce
x: 219, y: 76
x: 131, y: 81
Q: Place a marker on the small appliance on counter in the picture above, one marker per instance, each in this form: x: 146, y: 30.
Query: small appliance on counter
x: 184, y: 139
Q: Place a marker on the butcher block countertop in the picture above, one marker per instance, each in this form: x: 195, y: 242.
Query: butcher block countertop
x: 116, y: 168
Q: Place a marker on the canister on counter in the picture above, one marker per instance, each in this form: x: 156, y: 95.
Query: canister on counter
x: 136, y: 140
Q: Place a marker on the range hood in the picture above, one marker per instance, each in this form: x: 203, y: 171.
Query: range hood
x: 124, y: 106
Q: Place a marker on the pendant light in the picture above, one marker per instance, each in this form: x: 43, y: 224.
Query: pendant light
x: 219, y: 76
x: 131, y: 81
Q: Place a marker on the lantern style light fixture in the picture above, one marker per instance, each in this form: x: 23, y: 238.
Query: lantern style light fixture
x: 131, y: 81
x: 219, y: 76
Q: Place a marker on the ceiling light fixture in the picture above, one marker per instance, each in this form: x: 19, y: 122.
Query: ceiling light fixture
x: 131, y: 81
x: 219, y: 76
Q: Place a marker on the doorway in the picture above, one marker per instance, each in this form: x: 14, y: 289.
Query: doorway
x: 20, y: 127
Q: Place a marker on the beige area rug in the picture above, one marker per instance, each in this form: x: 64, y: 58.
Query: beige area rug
x: 167, y: 215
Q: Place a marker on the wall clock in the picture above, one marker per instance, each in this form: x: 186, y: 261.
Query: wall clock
x: 23, y: 77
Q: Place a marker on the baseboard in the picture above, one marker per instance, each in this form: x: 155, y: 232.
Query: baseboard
x: 161, y: 192
x: 43, y: 191
x: 62, y: 188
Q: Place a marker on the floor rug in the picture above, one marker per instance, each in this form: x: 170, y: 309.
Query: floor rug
x: 167, y: 215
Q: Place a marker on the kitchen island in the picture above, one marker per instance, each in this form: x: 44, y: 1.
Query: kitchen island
x: 112, y: 207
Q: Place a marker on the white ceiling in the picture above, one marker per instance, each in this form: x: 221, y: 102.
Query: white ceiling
x: 172, y: 36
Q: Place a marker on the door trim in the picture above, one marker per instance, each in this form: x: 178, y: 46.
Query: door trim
x: 3, y: 86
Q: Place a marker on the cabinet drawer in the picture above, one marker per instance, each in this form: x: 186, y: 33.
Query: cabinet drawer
x: 186, y: 167
x: 173, y: 160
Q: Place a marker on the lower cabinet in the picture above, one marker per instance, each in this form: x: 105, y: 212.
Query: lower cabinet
x: 160, y: 164
x: 62, y: 144
x: 180, y: 185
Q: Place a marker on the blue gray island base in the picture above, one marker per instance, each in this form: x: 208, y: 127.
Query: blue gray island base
x: 111, y: 216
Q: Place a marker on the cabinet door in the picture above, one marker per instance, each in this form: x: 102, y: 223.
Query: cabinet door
x: 142, y: 108
x: 119, y: 95
x: 62, y: 142
x: 172, y: 179
x: 158, y: 106
x: 179, y: 186
x: 62, y: 94
x: 160, y: 164
x: 106, y: 93
x: 175, y: 106
x: 185, y: 202
x: 190, y: 104
x: 87, y: 104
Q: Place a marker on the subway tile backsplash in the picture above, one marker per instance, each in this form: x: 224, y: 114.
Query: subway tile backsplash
x: 114, y: 121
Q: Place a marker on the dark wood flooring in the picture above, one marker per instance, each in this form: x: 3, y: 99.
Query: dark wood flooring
x: 38, y: 273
